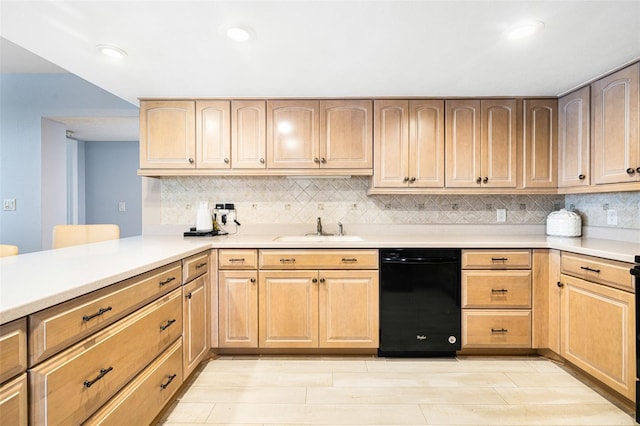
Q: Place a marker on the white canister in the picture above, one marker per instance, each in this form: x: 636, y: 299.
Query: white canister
x: 563, y: 223
x: 204, y: 221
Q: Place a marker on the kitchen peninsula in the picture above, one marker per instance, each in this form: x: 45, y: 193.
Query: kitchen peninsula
x: 37, y: 282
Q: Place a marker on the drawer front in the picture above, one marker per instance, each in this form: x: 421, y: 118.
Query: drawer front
x: 69, y: 387
x: 496, y: 259
x: 496, y: 329
x: 14, y: 402
x: 496, y: 289
x: 59, y: 327
x: 142, y: 399
x: 13, y: 349
x: 194, y: 266
x: 238, y: 259
x: 318, y: 259
x: 603, y: 271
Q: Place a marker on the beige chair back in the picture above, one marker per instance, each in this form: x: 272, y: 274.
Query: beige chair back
x: 73, y: 235
x: 8, y: 250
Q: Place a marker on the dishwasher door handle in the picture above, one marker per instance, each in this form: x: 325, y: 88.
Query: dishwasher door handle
x: 416, y: 261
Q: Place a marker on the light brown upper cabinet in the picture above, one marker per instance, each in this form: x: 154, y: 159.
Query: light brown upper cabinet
x: 574, y: 168
x: 540, y: 166
x: 213, y: 148
x: 615, y: 122
x: 319, y: 134
x: 167, y: 135
x: 409, y: 144
x: 481, y: 143
x: 248, y: 135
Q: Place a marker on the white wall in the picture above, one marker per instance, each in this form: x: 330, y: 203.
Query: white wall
x: 54, y: 178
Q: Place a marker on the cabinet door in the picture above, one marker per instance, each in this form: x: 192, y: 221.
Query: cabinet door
x: 348, y: 303
x: 574, y: 168
x: 213, y: 140
x: 248, y: 134
x: 293, y: 134
x: 426, y: 144
x: 540, y: 166
x: 598, y: 332
x: 463, y: 144
x: 616, y: 156
x: 499, y: 143
x: 288, y: 303
x: 391, y: 144
x: 555, y: 302
x: 345, y: 134
x: 167, y: 134
x: 14, y: 402
x: 195, y: 311
x: 238, y: 309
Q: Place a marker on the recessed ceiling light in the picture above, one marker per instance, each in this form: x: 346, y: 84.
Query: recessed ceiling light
x: 525, y: 29
x: 111, y: 51
x: 239, y: 34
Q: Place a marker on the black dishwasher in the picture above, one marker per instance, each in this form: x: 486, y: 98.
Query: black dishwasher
x: 419, y: 302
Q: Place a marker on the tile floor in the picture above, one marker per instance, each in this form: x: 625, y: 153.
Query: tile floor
x: 379, y: 391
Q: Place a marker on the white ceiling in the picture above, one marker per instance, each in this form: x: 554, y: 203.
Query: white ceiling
x: 328, y: 48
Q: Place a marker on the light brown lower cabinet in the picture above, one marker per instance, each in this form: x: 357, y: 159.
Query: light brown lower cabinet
x: 598, y: 332
x: 195, y: 311
x: 144, y: 397
x: 318, y: 309
x: 238, y: 309
x: 71, y: 386
x: 488, y: 328
x: 13, y: 402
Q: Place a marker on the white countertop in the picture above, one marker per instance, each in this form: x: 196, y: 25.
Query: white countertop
x: 35, y: 281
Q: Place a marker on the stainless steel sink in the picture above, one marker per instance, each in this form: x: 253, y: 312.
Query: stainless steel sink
x: 317, y: 238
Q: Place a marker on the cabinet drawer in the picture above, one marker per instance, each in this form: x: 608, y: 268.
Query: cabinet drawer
x: 318, y: 259
x: 69, y: 387
x: 60, y: 326
x: 596, y: 269
x: 14, y: 402
x: 496, y: 259
x: 496, y: 289
x: 496, y: 329
x: 142, y: 399
x: 194, y: 266
x: 238, y: 259
x: 13, y: 349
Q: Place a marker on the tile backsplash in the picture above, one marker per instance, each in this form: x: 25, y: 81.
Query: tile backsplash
x: 593, y: 208
x: 282, y: 200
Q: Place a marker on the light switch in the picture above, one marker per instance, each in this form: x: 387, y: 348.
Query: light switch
x: 122, y: 206
x: 9, y: 204
x: 501, y: 215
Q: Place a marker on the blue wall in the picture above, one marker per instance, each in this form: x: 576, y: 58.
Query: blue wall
x: 110, y: 177
x: 24, y: 100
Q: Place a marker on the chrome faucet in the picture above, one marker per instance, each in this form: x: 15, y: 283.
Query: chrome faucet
x: 319, y: 226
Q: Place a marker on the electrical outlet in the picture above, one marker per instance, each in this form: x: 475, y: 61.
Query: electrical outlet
x: 501, y: 215
x: 122, y: 206
x: 9, y: 204
x: 612, y: 217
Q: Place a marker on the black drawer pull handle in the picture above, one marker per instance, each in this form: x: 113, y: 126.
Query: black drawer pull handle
x: 167, y: 281
x: 586, y: 268
x: 349, y: 260
x: 499, y: 330
x: 499, y: 290
x: 200, y: 265
x: 101, y: 311
x: 237, y: 260
x: 499, y: 259
x: 103, y: 372
x: 288, y: 260
x: 170, y: 379
x: 164, y: 327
